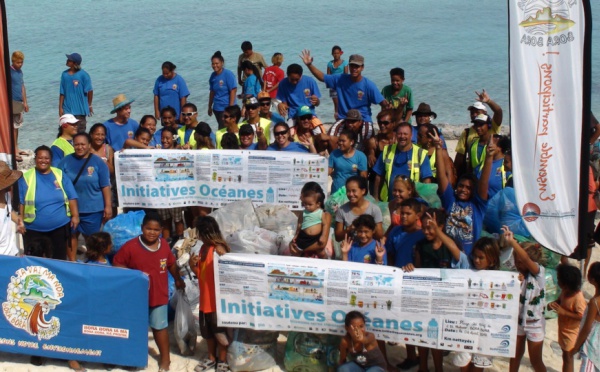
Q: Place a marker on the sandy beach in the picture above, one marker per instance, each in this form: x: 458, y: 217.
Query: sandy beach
x: 552, y: 352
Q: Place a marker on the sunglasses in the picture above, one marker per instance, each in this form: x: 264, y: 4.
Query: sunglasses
x: 226, y: 116
x: 282, y: 133
x: 383, y: 122
x: 253, y: 107
x: 306, y: 117
x: 188, y: 113
x: 265, y: 103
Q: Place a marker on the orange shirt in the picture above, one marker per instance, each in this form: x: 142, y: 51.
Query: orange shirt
x: 206, y: 279
x: 568, y: 328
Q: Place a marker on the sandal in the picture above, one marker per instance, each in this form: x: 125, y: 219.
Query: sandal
x: 205, y: 365
x: 223, y: 367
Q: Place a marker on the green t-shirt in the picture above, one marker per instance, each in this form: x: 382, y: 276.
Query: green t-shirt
x: 394, y: 99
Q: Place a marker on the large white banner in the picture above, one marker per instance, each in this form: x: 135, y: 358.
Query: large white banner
x: 459, y: 310
x: 546, y: 93
x: 213, y: 178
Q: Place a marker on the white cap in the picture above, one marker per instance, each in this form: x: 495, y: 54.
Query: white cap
x: 67, y: 119
x: 477, y: 106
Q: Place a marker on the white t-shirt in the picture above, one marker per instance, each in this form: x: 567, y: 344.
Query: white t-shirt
x: 8, y: 243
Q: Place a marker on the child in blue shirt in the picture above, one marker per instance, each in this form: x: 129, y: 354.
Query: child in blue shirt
x: 362, y: 247
x: 253, y: 83
x: 402, y: 239
x: 98, y: 245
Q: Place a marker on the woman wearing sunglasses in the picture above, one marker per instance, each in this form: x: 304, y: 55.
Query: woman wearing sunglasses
x: 282, y: 141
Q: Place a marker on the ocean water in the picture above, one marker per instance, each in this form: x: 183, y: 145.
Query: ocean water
x: 448, y: 48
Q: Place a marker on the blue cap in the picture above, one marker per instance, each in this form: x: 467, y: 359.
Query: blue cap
x: 75, y: 57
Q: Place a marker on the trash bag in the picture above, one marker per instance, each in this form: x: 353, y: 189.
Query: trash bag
x: 124, y: 227
x: 184, y: 327
x: 252, y: 350
x: 428, y: 192
x: 309, y: 352
x: 276, y: 218
x: 256, y: 240
x: 502, y: 210
x: 235, y: 216
x: 336, y: 200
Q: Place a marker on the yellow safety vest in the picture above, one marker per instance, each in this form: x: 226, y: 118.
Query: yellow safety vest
x: 30, y: 180
x: 474, y: 160
x: 265, y: 124
x: 181, y: 137
x: 432, y: 164
x: 418, y: 157
x: 219, y: 137
x: 64, y: 145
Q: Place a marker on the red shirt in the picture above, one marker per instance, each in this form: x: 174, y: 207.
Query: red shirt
x: 206, y: 279
x: 272, y: 76
x: 155, y: 264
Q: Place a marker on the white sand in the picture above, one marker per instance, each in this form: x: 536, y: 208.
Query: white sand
x: 552, y: 353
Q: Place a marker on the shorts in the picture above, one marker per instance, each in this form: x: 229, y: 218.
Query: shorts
x: 175, y: 213
x: 158, y: 317
x: 586, y: 364
x: 90, y: 223
x: 208, y: 325
x: 17, y: 113
x: 534, y: 332
x: 462, y: 359
x: 332, y: 93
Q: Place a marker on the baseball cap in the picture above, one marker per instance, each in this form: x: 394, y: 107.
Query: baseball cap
x: 356, y: 59
x: 304, y: 110
x: 263, y: 96
x: 481, y: 119
x: 75, y: 57
x: 67, y: 119
x: 252, y: 101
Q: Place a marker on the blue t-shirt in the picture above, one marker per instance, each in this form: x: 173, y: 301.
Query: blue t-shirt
x: 415, y: 133
x: 495, y: 183
x: 58, y: 154
x: 89, y: 186
x: 344, y: 168
x: 276, y: 118
x: 222, y: 85
x: 465, y: 218
x: 50, y: 210
x: 339, y: 70
x: 400, y: 167
x: 298, y: 95
x: 360, y: 95
x: 170, y: 92
x: 75, y: 89
x: 117, y: 134
x: 365, y: 254
x: 293, y: 146
x: 107, y: 263
x: 252, y: 86
x: 16, y: 77
x: 400, y: 245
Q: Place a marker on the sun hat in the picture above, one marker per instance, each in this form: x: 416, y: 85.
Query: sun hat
x: 354, y: 115
x: 120, y: 101
x: 356, y: 59
x: 303, y: 111
x: 8, y: 176
x: 67, y: 119
x: 424, y: 109
x: 477, y: 106
x: 263, y: 96
x: 75, y: 57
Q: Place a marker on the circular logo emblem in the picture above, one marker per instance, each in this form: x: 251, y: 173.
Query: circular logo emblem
x: 531, y: 212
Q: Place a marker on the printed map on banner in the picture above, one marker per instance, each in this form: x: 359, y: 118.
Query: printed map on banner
x: 178, y: 178
x: 460, y: 310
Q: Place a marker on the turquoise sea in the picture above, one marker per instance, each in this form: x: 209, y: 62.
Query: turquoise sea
x: 448, y: 48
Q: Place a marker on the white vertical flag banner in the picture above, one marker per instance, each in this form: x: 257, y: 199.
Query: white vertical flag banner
x: 546, y: 95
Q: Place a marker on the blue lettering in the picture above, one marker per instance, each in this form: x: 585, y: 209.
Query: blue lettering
x: 260, y: 194
x: 155, y: 193
x: 268, y: 311
x: 192, y: 191
x: 406, y: 325
x: 418, y: 327
x: 378, y: 323
x: 215, y: 192
x: 241, y: 194
x: 184, y: 191
x: 204, y: 190
x: 309, y: 315
x: 233, y: 308
x: 338, y: 316
x: 231, y: 193
x: 175, y: 190
x: 321, y: 316
x: 223, y: 192
x: 251, y: 194
x: 296, y: 313
x: 391, y: 323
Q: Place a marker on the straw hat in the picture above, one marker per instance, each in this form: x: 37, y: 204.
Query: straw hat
x: 120, y: 101
x: 8, y: 176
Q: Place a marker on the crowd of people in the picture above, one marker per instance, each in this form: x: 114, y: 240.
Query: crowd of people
x: 71, y: 191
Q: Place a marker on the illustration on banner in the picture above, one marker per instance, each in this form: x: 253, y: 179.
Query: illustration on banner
x: 301, y: 285
x: 31, y: 294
